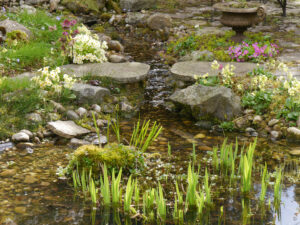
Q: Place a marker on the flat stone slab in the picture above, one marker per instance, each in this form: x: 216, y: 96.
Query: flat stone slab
x: 128, y: 72
x: 67, y: 129
x: 187, y: 70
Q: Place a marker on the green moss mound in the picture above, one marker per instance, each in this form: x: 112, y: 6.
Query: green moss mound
x: 113, y: 155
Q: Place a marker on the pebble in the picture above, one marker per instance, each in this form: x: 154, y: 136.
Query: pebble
x: 81, y: 111
x: 72, y: 115
x: 29, y: 179
x: 19, y: 137
x: 20, y: 210
x: 295, y: 152
x: 272, y: 122
x: 275, y: 135
x: 29, y: 133
x: 257, y: 119
x: 199, y: 136
x: 96, y: 108
x: 24, y: 145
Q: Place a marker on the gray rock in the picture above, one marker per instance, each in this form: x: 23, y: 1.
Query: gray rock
x: 59, y: 107
x: 96, y: 108
x: 78, y: 142
x: 126, y: 107
x: 107, y: 108
x: 257, y: 119
x: 203, y: 101
x: 102, y: 123
x: 29, y: 9
x: 136, y: 5
x: 159, y: 21
x: 81, y: 111
x: 20, y: 137
x: 53, y: 5
x: 272, y: 122
x: 34, y: 117
x: 103, y: 140
x: 295, y: 151
x: 53, y: 116
x: 72, y: 115
x: 86, y: 93
x: 28, y: 132
x: 198, y: 56
x: 135, y: 18
x: 115, y: 45
x: 293, y: 134
x: 186, y: 71
x: 275, y: 135
x: 103, y: 37
x: 128, y: 72
x: 11, y: 25
x: 114, y: 58
x: 67, y: 129
x: 242, y: 122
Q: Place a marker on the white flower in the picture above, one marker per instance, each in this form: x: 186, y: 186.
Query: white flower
x: 215, y: 65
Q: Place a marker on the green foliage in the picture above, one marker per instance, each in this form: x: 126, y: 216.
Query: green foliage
x: 217, y: 44
x: 191, y: 193
x: 141, y: 138
x: 291, y: 110
x: 227, y: 126
x: 264, y: 184
x: 104, y: 188
x: 17, y: 98
x: 278, y: 187
x: 16, y: 36
x: 20, y: 55
x: 259, y: 101
x: 208, y: 80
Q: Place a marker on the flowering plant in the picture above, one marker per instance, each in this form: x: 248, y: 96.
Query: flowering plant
x: 69, y: 32
x: 87, y: 47
x: 53, y: 81
x: 255, y: 52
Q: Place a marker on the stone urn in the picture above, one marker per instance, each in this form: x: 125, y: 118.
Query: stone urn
x: 240, y: 18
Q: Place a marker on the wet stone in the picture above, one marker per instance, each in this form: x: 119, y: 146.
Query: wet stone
x: 295, y: 152
x: 19, y: 137
x: 8, y: 173
x: 30, y: 179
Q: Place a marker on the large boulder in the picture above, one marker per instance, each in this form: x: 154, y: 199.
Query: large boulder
x: 136, y: 5
x: 205, y: 102
x: 79, y: 6
x: 11, y: 26
x: 86, y: 93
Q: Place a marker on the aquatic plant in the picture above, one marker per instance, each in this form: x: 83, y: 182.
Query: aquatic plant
x: 207, y: 189
x: 194, y: 152
x: 264, y: 183
x: 141, y: 138
x: 246, y: 163
x: 104, y: 188
x: 169, y: 149
x: 161, y: 204
x: 191, y: 192
x: 93, y: 191
x: 148, y: 200
x: 278, y: 187
x: 136, y: 194
x: 128, y: 195
x: 116, y: 191
x: 116, y: 128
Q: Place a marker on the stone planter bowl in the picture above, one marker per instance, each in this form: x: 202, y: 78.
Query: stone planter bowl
x: 240, y: 18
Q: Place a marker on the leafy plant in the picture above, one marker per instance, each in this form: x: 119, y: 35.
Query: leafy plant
x: 259, y: 100
x: 227, y: 126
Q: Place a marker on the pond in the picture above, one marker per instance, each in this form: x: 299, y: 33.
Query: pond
x: 31, y: 192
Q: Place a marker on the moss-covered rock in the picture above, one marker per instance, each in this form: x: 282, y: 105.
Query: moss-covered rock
x: 113, y: 155
x: 16, y: 36
x: 86, y: 6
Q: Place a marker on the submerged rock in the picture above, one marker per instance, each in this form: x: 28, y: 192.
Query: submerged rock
x: 67, y: 129
x: 208, y: 102
x: 8, y: 173
x: 295, y: 152
x: 293, y: 134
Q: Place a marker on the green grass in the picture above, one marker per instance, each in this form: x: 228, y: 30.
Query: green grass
x: 43, y: 45
x: 16, y: 100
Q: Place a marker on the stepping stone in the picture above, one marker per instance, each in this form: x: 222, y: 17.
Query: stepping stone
x: 67, y: 129
x: 187, y: 70
x: 128, y: 72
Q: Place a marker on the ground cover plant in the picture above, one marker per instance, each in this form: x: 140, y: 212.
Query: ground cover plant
x: 260, y: 90
x: 255, y: 48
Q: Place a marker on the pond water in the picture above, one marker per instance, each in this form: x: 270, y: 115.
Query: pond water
x: 33, y: 194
